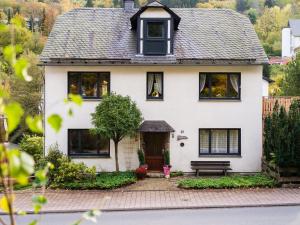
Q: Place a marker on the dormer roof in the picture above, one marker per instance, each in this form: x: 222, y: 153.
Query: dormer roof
x: 154, y: 4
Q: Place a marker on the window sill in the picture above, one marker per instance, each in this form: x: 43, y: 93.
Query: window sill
x: 155, y: 99
x: 89, y: 157
x: 219, y: 100
x: 220, y: 156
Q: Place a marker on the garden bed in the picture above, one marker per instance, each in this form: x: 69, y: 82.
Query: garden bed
x: 235, y: 181
x: 103, y: 181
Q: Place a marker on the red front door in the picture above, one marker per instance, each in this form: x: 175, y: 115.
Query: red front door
x: 154, y: 145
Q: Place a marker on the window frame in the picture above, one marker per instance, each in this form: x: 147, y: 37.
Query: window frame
x: 164, y: 39
x: 79, y: 74
x: 148, y: 97
x: 209, y: 74
x: 85, y: 155
x: 228, y: 142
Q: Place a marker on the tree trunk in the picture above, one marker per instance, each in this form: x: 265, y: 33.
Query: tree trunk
x: 116, y: 156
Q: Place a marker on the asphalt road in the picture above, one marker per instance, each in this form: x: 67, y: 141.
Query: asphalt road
x: 289, y: 215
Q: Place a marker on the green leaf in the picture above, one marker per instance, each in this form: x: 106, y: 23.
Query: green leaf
x: 22, y: 213
x: 34, y: 222
x: 70, y: 112
x: 39, y: 199
x: 35, y: 124
x: 9, y: 53
x: 91, y: 215
x: 13, y: 113
x: 77, y: 99
x: 55, y: 122
x: 37, y: 208
x: 21, y: 67
x: 4, y: 204
x: 27, y: 163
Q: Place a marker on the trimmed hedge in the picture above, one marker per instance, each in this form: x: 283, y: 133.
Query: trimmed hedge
x: 103, y: 181
x: 228, y: 182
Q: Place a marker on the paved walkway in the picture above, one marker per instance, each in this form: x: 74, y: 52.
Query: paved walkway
x: 137, y: 200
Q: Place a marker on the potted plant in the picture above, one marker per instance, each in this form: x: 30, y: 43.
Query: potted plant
x: 141, y: 156
x: 167, y: 166
x: 141, y: 172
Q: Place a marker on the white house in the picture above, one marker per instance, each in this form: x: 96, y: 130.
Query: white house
x: 291, y: 38
x: 196, y: 75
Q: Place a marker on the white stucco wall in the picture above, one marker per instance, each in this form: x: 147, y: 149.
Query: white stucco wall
x: 180, y: 108
x: 265, y: 88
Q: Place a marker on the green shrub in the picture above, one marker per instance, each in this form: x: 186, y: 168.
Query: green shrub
x: 32, y: 145
x: 228, y: 182
x: 69, y: 171
x: 103, y: 181
x: 166, y: 157
x: 282, y: 135
x: 176, y: 174
x: 141, y: 156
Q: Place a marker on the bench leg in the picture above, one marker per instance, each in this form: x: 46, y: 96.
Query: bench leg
x: 225, y: 172
x: 197, y: 173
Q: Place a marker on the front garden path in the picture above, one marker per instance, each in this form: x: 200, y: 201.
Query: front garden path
x: 72, y: 201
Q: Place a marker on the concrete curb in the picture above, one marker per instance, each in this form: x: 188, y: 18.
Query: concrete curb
x: 164, y: 208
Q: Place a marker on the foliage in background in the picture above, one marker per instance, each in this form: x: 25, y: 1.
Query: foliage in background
x: 115, y: 118
x: 33, y: 145
x: 291, y: 81
x: 282, y: 136
x: 101, y: 182
x: 269, y: 26
x: 228, y: 182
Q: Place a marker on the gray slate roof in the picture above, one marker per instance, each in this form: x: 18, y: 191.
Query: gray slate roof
x: 294, y: 24
x: 104, y: 36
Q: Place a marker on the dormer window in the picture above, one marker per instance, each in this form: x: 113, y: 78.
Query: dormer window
x: 155, y: 37
x: 155, y: 24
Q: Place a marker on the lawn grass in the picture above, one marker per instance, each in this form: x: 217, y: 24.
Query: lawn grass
x: 103, y: 181
x: 235, y: 181
x: 19, y: 187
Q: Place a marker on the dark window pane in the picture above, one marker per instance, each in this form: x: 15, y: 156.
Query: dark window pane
x: 204, y: 85
x: 234, y: 141
x: 218, y: 141
x: 103, y: 84
x: 204, y: 141
x: 155, y: 85
x: 103, y: 146
x: 89, y: 84
x: 155, y: 29
x: 218, y: 85
x: 82, y: 142
x: 74, y: 147
x: 74, y: 83
x: 89, y: 143
x: 233, y: 86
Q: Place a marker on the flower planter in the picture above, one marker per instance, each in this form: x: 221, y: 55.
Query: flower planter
x: 167, y: 171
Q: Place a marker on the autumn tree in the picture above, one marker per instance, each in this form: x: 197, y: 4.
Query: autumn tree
x: 269, y: 26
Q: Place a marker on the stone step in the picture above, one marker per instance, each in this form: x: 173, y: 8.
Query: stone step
x: 155, y: 175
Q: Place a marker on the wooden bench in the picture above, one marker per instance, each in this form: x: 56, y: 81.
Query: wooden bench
x: 210, y: 166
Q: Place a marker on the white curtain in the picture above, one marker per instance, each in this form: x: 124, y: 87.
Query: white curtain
x: 234, y: 80
x: 219, y: 141
x: 202, y: 82
x: 158, y: 79
x: 150, y: 83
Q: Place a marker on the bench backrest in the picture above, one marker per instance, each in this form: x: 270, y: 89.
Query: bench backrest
x: 210, y: 163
